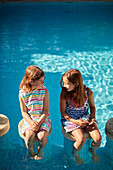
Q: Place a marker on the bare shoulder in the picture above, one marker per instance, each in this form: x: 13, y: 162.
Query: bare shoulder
x: 90, y: 93
x: 46, y: 97
x: 20, y: 98
x: 62, y: 93
x: 91, y: 98
x: 46, y: 91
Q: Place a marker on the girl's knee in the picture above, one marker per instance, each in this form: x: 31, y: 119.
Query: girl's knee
x: 42, y: 136
x: 81, y: 139
x: 29, y: 133
x: 79, y: 143
x: 98, y: 140
x: 29, y: 138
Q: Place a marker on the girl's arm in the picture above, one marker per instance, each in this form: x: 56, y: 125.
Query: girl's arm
x: 92, y: 105
x: 45, y: 108
x: 34, y: 125
x: 64, y: 114
x: 24, y: 111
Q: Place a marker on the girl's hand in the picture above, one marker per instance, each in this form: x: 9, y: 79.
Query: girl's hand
x: 82, y: 123
x: 91, y: 122
x: 35, y: 126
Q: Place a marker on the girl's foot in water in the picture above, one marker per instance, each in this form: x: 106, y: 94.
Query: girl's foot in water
x: 94, y: 156
x: 31, y: 153
x: 39, y: 154
x: 77, y: 157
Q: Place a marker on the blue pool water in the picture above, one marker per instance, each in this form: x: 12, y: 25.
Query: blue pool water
x: 55, y: 37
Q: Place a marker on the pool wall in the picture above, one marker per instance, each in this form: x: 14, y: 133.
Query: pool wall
x: 6, y: 1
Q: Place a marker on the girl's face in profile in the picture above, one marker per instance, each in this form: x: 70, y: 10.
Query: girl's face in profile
x: 68, y: 84
x: 38, y: 83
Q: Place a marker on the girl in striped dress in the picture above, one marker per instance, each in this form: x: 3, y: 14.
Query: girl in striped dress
x: 34, y: 104
x: 75, y: 100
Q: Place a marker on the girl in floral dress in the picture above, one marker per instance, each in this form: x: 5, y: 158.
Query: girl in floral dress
x: 75, y: 100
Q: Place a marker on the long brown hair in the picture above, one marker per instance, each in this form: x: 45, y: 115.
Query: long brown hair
x: 32, y: 73
x: 78, y: 94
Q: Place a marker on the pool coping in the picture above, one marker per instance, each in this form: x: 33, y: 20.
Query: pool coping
x: 67, y: 1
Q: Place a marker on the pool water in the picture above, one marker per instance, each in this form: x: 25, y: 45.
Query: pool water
x: 56, y: 37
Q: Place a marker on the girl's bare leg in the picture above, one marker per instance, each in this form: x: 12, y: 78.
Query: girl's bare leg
x: 96, y: 136
x: 29, y: 139
x: 42, y: 137
x: 79, y: 142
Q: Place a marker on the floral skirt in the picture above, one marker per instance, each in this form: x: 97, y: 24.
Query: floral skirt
x: 69, y: 126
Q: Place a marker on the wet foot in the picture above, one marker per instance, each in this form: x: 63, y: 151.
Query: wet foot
x: 31, y: 153
x: 77, y: 158
x: 39, y: 154
x: 94, y: 156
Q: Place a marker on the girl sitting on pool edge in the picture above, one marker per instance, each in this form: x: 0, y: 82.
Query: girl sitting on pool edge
x: 75, y: 99
x: 34, y: 104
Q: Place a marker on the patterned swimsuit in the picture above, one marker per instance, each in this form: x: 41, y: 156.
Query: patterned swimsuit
x: 75, y: 113
x: 34, y: 104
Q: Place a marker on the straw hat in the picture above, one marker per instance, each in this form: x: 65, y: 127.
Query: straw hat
x: 71, y: 137
x: 20, y: 125
x: 4, y: 125
x: 109, y: 128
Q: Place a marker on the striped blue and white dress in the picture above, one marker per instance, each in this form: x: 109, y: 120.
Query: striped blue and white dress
x: 79, y: 112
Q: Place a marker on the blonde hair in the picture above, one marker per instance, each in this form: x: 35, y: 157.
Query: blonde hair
x: 78, y: 94
x: 32, y: 73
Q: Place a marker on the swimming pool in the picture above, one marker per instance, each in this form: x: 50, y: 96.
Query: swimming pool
x: 56, y: 37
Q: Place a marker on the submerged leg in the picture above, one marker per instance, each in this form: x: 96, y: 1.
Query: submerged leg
x: 96, y: 136
x: 42, y: 137
x: 29, y: 139
x: 79, y: 142
x: 77, y: 157
x: 94, y: 156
